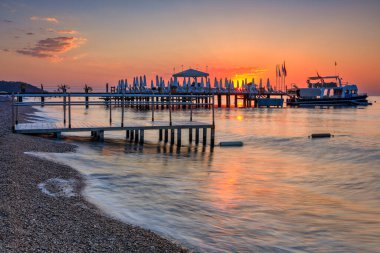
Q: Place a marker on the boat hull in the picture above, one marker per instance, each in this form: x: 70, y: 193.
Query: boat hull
x: 353, y: 101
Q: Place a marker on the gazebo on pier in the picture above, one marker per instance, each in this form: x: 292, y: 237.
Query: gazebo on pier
x: 192, y: 73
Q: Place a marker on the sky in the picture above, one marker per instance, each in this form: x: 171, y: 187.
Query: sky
x: 97, y: 42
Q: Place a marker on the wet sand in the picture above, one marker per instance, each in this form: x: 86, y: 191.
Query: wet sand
x: 42, y: 210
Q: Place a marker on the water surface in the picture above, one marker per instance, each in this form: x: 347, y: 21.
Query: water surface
x: 280, y: 192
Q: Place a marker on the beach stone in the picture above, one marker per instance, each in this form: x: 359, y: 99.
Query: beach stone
x: 42, y: 210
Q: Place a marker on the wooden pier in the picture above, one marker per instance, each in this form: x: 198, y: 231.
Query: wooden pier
x: 133, y: 131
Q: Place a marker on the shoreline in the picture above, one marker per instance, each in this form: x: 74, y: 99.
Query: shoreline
x: 63, y: 221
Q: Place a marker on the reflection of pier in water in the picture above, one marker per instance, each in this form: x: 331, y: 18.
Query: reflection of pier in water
x: 169, y: 131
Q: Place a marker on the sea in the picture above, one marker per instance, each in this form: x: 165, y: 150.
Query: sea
x: 280, y: 192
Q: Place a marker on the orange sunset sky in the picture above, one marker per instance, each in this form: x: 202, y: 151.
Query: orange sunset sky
x: 95, y: 42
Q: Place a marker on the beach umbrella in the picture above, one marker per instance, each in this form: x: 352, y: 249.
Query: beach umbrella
x: 151, y: 84
x: 216, y: 85
x: 268, y: 85
x: 141, y: 83
x: 161, y: 82
x: 188, y: 82
x: 122, y: 85
x: 157, y: 81
x: 184, y: 82
x: 202, y: 83
x: 261, y: 84
x: 144, y: 81
x: 208, y: 83
x: 221, y: 83
x: 238, y: 84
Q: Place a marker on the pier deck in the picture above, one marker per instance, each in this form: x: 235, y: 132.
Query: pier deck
x: 134, y: 129
x: 43, y: 128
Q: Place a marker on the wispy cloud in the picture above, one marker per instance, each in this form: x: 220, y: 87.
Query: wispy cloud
x: 47, y: 19
x: 68, y: 31
x: 29, y: 33
x: 52, y: 48
x: 7, y: 21
x: 80, y: 56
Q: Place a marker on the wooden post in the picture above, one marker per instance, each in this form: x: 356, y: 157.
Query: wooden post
x: 86, y: 99
x: 204, y: 136
x: 132, y: 135
x: 42, y: 101
x: 160, y: 134
x: 213, y: 110
x: 236, y: 100
x: 219, y: 100
x: 110, y: 108
x: 64, y: 109
x: 122, y: 111
x: 13, y: 112
x: 191, y: 107
x: 170, y: 109
x: 126, y: 134
x: 18, y: 99
x: 190, y: 135
x: 69, y: 111
x: 136, y: 136
x: 141, y: 136
x: 171, y: 136
x: 166, y: 135
x: 152, y: 108
x: 101, y: 135
x: 57, y: 135
x: 212, y: 139
x: 179, y: 135
x: 197, y: 135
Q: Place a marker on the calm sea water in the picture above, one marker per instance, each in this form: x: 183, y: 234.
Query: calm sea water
x: 280, y: 192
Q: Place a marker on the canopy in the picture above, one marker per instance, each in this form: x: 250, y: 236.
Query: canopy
x: 322, y: 77
x: 191, y: 73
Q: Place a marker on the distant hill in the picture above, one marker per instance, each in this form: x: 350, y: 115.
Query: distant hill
x: 14, y: 87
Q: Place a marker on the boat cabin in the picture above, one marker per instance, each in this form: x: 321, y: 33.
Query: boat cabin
x: 327, y: 87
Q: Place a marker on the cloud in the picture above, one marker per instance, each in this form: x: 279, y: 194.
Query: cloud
x: 29, y: 33
x: 6, y: 50
x: 52, y: 48
x: 80, y: 56
x: 71, y: 32
x: 47, y: 19
x: 7, y: 21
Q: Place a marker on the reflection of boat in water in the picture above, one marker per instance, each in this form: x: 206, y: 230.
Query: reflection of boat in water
x: 328, y: 91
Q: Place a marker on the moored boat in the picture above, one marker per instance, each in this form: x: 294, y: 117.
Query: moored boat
x: 326, y: 91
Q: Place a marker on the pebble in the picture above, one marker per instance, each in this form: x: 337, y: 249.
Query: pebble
x: 31, y: 221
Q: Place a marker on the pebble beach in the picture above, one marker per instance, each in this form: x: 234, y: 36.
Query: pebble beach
x: 42, y: 210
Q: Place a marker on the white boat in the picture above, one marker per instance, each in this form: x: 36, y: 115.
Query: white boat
x: 328, y: 91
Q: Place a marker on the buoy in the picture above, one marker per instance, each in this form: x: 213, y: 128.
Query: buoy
x: 321, y: 135
x: 231, y: 144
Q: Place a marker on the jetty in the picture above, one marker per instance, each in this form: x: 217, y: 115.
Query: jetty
x: 194, y: 82
x: 169, y: 131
